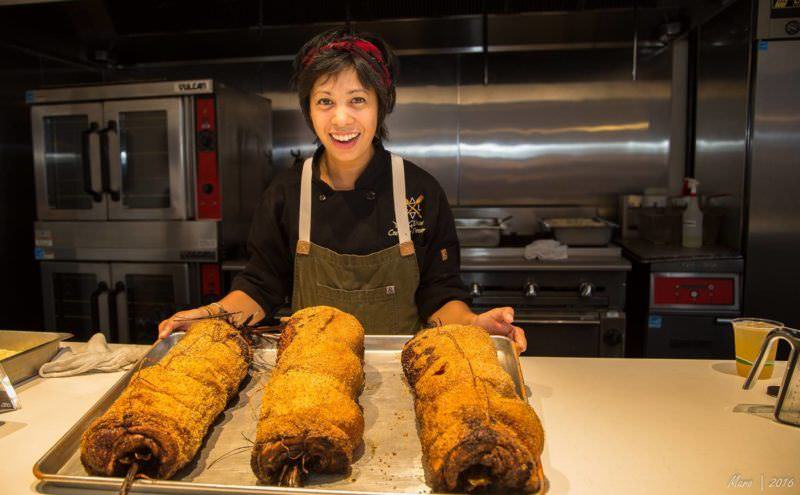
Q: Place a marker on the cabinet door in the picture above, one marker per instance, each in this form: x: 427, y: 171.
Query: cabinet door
x: 144, y: 148
x: 145, y: 294
x: 76, y: 298
x: 66, y: 156
x: 689, y: 336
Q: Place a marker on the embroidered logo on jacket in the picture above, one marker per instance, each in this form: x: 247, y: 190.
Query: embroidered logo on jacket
x: 415, y: 221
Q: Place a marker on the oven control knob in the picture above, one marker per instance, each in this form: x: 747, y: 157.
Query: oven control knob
x: 475, y: 290
x: 586, y: 289
x: 531, y: 290
x: 612, y: 337
x: 206, y: 140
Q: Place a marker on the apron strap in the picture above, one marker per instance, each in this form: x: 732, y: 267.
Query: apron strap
x: 304, y: 238
x: 400, y: 209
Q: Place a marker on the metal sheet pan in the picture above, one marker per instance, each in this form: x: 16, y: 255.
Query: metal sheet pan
x: 389, y: 460
x: 33, y: 350
x: 580, y: 231
x: 480, y: 232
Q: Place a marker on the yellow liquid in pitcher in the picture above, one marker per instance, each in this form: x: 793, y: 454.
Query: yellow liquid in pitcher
x: 748, y: 337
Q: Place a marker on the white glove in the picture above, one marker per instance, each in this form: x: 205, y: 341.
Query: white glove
x: 96, y: 356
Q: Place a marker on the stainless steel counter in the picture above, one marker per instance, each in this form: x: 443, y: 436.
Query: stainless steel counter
x: 645, y: 251
x: 512, y: 259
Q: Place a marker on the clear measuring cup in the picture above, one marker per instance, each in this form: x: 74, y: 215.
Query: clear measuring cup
x: 787, y: 409
x: 748, y: 336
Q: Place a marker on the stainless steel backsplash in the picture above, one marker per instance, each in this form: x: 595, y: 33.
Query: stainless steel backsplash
x: 550, y: 128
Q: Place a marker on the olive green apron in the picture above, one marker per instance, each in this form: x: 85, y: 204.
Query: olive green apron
x: 376, y: 288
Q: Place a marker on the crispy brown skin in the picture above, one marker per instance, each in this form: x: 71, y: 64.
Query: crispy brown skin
x: 167, y: 408
x: 310, y: 414
x: 472, y: 424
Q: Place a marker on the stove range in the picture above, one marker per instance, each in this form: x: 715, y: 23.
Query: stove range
x: 569, y: 307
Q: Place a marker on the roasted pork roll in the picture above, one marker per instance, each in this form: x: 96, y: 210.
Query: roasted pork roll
x: 310, y: 419
x: 160, y: 419
x: 476, y: 433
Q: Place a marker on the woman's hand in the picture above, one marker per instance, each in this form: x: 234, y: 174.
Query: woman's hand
x: 498, y: 321
x: 241, y: 307
x: 181, y: 320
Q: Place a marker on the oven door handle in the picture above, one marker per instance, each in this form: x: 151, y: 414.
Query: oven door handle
x: 527, y: 321
x: 109, y: 143
x: 96, y: 308
x: 120, y: 299
x: 89, y: 154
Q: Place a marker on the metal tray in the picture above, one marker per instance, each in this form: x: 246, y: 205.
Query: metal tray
x: 580, y: 231
x: 35, y: 349
x: 389, y: 460
x: 480, y: 232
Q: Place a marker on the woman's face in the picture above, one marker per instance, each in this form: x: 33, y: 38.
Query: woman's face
x: 345, y: 115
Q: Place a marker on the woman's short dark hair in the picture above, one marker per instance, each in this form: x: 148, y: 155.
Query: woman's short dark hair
x: 317, y: 59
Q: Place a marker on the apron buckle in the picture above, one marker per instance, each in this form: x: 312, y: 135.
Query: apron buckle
x: 304, y: 247
x: 407, y: 248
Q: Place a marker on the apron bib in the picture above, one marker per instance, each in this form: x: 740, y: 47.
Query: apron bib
x: 377, y: 288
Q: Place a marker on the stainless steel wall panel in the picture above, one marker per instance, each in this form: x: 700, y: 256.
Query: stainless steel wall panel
x: 244, y: 148
x: 561, y: 128
x: 772, y: 264
x: 721, y: 115
x: 424, y: 126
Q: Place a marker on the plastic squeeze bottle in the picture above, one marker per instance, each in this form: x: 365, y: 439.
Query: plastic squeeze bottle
x: 692, y: 218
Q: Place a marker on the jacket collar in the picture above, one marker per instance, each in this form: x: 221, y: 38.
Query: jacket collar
x: 374, y: 177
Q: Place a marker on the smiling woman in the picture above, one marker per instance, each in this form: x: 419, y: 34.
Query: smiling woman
x: 366, y: 57
x: 344, y: 114
x: 355, y: 227
x: 345, y: 84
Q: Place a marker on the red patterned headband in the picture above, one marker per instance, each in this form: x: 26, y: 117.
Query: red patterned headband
x: 360, y: 47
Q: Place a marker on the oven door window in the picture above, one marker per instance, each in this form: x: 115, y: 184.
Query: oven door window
x: 64, y: 162
x: 144, y: 159
x: 150, y: 299
x: 74, y: 295
x: 147, y: 158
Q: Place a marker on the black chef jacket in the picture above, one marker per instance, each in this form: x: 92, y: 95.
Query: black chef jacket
x: 360, y: 221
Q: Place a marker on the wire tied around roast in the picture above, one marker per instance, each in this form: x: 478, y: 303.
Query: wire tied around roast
x: 476, y: 433
x: 157, y: 424
x: 310, y: 420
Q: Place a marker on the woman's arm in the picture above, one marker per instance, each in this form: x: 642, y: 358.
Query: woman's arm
x: 237, y: 302
x: 496, y: 321
x: 452, y: 313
